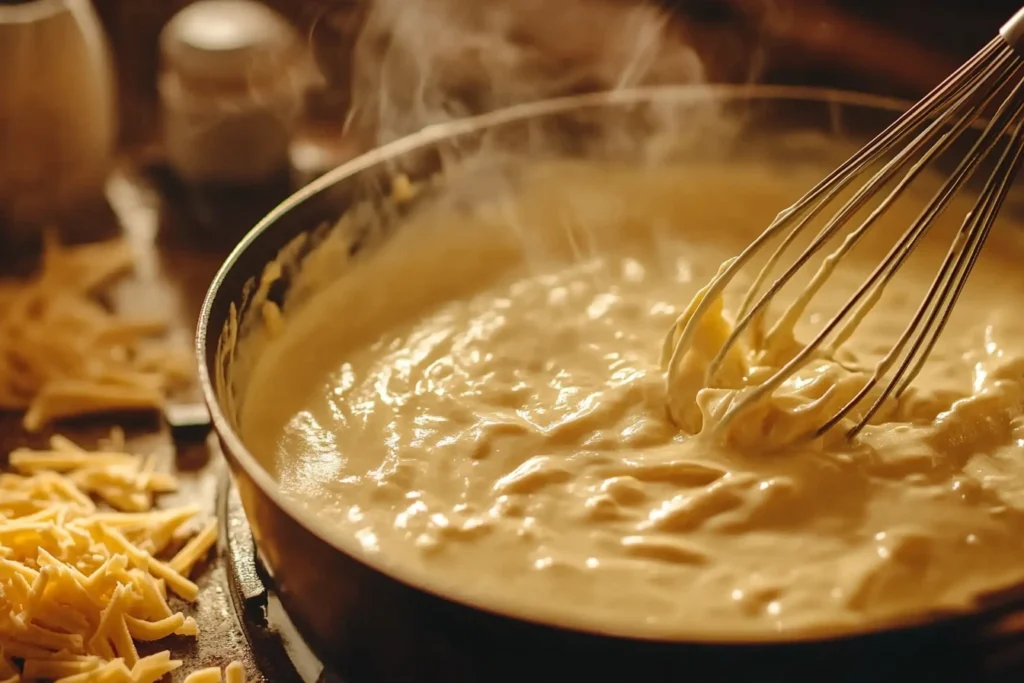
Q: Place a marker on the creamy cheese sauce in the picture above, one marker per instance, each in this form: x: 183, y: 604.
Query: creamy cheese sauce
x: 482, y: 404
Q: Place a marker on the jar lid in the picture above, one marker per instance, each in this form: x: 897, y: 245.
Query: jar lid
x: 226, y: 39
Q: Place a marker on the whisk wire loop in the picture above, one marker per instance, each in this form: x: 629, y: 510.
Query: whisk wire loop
x: 846, y: 173
x: 926, y: 131
x: 916, y: 114
x: 987, y: 220
x: 749, y: 314
x: 967, y: 237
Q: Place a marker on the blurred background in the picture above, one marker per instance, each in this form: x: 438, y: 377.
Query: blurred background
x: 890, y: 47
x: 55, y: 129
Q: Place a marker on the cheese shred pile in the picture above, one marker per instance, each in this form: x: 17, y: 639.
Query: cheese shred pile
x: 81, y: 584
x: 64, y: 354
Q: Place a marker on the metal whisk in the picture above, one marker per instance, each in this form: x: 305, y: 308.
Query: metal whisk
x: 926, y: 130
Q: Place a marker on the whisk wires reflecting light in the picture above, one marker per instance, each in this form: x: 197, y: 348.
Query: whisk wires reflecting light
x: 914, y: 140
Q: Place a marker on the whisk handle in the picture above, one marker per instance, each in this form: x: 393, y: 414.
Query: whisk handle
x: 1013, y: 31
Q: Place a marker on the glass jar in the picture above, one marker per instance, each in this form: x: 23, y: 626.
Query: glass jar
x: 232, y: 84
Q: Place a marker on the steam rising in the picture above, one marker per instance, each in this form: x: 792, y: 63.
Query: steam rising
x: 421, y: 62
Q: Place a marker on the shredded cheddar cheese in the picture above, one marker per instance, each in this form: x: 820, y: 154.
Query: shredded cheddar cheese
x: 80, y: 585
x: 209, y: 675
x: 63, y: 354
x: 234, y: 673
